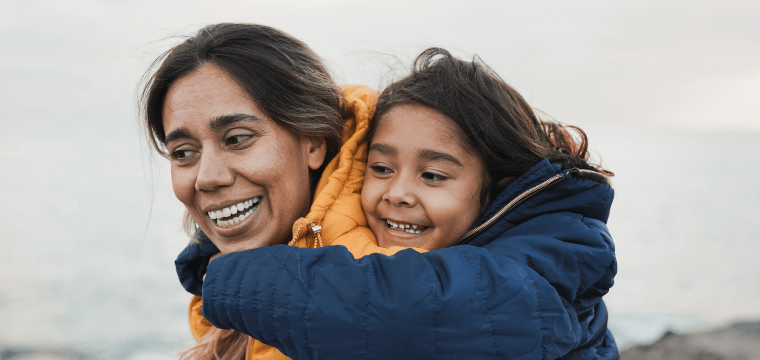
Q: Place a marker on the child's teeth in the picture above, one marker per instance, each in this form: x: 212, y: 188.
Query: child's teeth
x: 412, y: 229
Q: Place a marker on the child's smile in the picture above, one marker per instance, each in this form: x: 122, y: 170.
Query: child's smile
x: 422, y: 186
x: 410, y: 228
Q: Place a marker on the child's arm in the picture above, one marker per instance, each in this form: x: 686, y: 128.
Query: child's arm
x: 191, y: 267
x: 531, y: 295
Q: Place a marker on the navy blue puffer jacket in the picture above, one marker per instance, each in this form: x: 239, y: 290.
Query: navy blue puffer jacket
x: 528, y: 286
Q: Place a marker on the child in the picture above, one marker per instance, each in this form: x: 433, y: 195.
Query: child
x: 429, y: 175
x: 448, y: 145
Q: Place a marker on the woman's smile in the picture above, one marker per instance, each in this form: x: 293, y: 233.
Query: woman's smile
x: 235, y: 214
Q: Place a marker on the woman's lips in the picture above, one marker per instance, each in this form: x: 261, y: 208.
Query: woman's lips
x: 405, y: 227
x: 229, y: 216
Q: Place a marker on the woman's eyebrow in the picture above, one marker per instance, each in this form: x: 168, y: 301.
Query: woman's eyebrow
x: 383, y: 149
x: 176, y: 135
x: 225, y: 120
x: 432, y: 155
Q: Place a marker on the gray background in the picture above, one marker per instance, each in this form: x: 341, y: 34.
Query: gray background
x: 668, y: 92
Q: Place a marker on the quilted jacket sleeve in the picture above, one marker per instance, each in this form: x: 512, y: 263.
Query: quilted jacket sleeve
x: 191, y: 266
x: 529, y: 295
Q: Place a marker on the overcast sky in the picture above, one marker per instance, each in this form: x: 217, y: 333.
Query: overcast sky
x: 673, y: 64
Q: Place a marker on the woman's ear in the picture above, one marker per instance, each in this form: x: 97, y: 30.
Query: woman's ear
x: 317, y: 151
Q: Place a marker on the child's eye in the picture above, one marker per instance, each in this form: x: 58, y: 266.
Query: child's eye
x: 433, y: 177
x: 236, y: 139
x: 380, y: 169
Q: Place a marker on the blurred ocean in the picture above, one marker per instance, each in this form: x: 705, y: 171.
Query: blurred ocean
x: 88, y: 252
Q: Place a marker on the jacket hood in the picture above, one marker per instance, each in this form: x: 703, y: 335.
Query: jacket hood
x: 337, y: 200
x: 336, y: 216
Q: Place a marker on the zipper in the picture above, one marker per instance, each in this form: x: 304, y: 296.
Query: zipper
x: 514, y: 203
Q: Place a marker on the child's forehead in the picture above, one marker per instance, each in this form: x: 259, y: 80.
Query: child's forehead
x: 420, y: 132
x: 417, y: 120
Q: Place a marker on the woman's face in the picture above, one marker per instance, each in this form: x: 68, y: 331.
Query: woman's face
x: 422, y: 186
x: 243, y: 178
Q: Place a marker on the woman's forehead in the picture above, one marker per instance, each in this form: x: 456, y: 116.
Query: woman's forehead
x: 204, y: 98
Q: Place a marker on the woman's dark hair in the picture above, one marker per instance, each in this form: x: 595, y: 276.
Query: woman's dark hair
x: 285, y: 78
x: 495, y: 121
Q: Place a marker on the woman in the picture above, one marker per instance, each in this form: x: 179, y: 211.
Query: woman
x: 527, y: 285
x: 250, y: 119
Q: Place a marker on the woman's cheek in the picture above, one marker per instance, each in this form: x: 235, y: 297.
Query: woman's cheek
x: 183, y: 184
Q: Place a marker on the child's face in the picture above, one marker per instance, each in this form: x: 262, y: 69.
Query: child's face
x: 422, y: 186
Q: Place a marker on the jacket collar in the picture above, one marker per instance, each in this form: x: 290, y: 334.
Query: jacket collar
x: 574, y: 193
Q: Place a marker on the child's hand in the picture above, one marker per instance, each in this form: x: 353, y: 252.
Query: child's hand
x: 211, y: 258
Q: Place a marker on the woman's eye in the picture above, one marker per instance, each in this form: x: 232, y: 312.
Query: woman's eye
x: 236, y: 139
x: 181, y: 154
x: 380, y: 169
x: 433, y: 177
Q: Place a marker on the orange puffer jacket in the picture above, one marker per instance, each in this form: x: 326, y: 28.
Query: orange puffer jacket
x: 336, y: 208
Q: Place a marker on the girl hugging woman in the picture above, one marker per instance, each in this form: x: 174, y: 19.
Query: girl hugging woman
x: 507, y: 219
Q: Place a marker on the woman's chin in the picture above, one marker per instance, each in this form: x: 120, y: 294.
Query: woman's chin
x: 242, y: 235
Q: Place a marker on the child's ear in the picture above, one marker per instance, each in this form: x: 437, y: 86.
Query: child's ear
x: 496, y: 189
x: 316, y: 151
x: 503, y: 183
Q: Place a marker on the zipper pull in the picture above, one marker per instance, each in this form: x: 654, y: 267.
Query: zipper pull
x: 317, y: 231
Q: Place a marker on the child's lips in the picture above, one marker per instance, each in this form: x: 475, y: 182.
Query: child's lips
x: 405, y: 227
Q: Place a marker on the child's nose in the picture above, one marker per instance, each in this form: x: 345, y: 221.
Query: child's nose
x: 400, y: 193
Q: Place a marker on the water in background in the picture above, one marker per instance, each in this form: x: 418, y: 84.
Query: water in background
x: 86, y: 266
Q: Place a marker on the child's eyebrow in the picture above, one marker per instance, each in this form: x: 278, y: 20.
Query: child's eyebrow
x: 432, y: 155
x: 383, y: 149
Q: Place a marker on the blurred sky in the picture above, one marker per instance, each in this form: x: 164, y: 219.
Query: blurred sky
x: 676, y: 64
x: 652, y: 82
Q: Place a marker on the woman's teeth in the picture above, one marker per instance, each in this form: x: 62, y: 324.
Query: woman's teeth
x: 412, y: 229
x: 232, y: 210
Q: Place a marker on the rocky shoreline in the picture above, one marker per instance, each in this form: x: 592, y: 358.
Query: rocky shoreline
x: 740, y: 340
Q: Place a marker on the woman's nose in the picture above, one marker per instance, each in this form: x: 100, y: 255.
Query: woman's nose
x: 400, y: 193
x: 213, y: 172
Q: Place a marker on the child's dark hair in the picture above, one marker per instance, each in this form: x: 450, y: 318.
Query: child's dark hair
x: 497, y: 123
